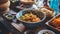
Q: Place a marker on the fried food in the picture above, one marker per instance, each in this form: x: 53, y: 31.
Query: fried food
x: 56, y: 22
x: 30, y: 18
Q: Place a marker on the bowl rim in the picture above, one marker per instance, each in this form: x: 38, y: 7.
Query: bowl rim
x: 30, y: 22
x: 45, y: 30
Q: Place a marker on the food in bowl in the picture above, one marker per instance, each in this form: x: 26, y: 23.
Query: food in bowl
x: 46, y: 33
x: 40, y: 15
x: 54, y: 23
x: 29, y: 17
x: 49, y: 12
x: 8, y: 16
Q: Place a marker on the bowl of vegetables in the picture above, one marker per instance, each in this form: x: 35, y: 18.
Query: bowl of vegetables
x: 8, y: 16
x: 31, y: 18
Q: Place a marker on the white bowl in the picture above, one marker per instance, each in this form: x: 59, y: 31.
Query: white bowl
x: 43, y: 31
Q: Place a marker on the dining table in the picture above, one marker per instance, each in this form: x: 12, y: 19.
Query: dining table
x: 8, y: 23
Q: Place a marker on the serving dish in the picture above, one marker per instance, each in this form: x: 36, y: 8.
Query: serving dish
x: 54, y: 23
x: 41, y: 15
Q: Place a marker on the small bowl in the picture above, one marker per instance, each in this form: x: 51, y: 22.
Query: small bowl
x: 45, y: 31
x: 41, y: 15
x: 50, y: 25
x: 7, y: 16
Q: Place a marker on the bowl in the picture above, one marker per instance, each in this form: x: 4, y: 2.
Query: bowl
x: 40, y: 14
x: 49, y: 12
x: 55, y: 26
x: 8, y: 16
x: 27, y: 2
x: 45, y: 32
